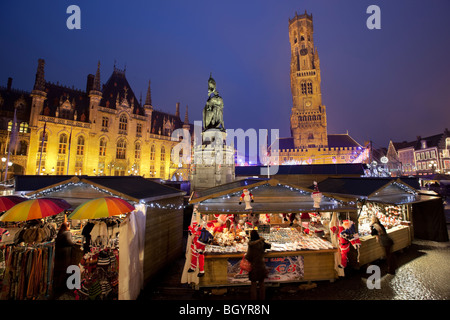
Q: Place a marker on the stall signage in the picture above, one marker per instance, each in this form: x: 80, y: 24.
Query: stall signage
x: 280, y: 269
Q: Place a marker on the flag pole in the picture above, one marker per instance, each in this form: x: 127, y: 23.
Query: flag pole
x: 42, y: 147
x: 68, y: 157
x: 12, y: 141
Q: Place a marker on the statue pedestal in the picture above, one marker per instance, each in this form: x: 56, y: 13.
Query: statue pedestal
x: 213, y: 161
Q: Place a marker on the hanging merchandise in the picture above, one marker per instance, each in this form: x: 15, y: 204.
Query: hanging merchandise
x: 28, y: 272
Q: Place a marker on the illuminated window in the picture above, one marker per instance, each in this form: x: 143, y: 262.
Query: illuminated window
x: 105, y: 122
x: 152, y: 171
x: 162, y: 171
x: 60, y: 164
x: 102, y: 147
x: 43, y: 142
x: 163, y: 154
x: 62, y: 144
x: 139, y: 128
x: 137, y: 151
x: 152, y: 152
x: 23, y: 127
x: 121, y: 149
x: 80, y: 146
x: 123, y: 123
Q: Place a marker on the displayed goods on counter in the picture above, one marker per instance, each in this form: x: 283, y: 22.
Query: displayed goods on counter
x: 389, y: 215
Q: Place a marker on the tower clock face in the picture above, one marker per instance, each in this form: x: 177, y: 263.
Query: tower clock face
x: 303, y: 51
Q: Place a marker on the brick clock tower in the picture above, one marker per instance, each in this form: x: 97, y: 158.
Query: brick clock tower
x: 308, y: 116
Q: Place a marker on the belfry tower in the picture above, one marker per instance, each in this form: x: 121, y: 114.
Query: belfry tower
x: 308, y: 116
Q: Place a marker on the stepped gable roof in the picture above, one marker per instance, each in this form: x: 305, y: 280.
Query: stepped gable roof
x: 116, y: 84
x: 57, y: 94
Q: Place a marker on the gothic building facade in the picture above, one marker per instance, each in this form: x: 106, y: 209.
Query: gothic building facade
x: 102, y: 130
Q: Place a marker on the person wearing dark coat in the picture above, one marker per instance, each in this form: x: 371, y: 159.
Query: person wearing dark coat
x: 379, y: 231
x: 255, y: 255
x: 63, y: 258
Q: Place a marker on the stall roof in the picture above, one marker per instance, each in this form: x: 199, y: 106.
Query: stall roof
x: 385, y: 190
x: 270, y: 196
x: 326, y: 169
x: 133, y: 188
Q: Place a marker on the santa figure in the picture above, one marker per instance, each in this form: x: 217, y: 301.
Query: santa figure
x: 347, y: 236
x: 316, y: 195
x: 200, y: 238
x: 247, y: 196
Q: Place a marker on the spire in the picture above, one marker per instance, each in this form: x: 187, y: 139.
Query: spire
x: 39, y: 83
x: 96, y: 86
x: 186, y: 118
x: 177, y: 110
x: 148, y: 98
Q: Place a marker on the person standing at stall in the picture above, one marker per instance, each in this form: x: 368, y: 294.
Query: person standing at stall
x: 258, y: 272
x: 63, y: 258
x: 378, y: 230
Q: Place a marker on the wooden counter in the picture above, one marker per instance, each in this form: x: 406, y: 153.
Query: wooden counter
x: 371, y: 250
x: 318, y: 265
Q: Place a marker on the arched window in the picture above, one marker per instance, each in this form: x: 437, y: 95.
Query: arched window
x: 303, y: 86
x: 102, y: 147
x: 310, y: 88
x: 152, y: 152
x: 163, y: 154
x: 137, y: 151
x: 121, y: 150
x: 23, y: 127
x: 62, y: 148
x: 43, y: 142
x: 123, y: 123
x: 80, y: 146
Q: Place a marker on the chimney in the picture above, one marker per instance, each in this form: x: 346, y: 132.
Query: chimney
x: 9, y: 84
x: 177, y: 111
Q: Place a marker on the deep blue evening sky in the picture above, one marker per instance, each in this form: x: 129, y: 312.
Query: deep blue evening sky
x: 392, y: 83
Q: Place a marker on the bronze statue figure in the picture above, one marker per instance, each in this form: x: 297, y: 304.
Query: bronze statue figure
x: 213, y: 110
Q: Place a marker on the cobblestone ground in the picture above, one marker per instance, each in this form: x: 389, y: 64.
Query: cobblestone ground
x: 423, y: 274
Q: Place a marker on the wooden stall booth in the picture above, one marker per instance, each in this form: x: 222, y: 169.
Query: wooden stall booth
x: 390, y: 199
x: 156, y: 225
x: 284, y: 215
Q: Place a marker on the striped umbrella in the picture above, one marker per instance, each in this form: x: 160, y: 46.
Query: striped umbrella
x: 101, y: 208
x: 35, y: 209
x: 7, y: 202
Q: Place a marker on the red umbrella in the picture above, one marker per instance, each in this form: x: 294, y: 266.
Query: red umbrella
x: 7, y: 202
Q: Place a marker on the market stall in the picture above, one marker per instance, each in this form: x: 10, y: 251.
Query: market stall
x: 129, y: 248
x: 391, y: 200
x: 303, y: 248
x: 27, y: 248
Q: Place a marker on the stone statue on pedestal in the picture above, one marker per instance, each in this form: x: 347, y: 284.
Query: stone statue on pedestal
x: 213, y: 110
